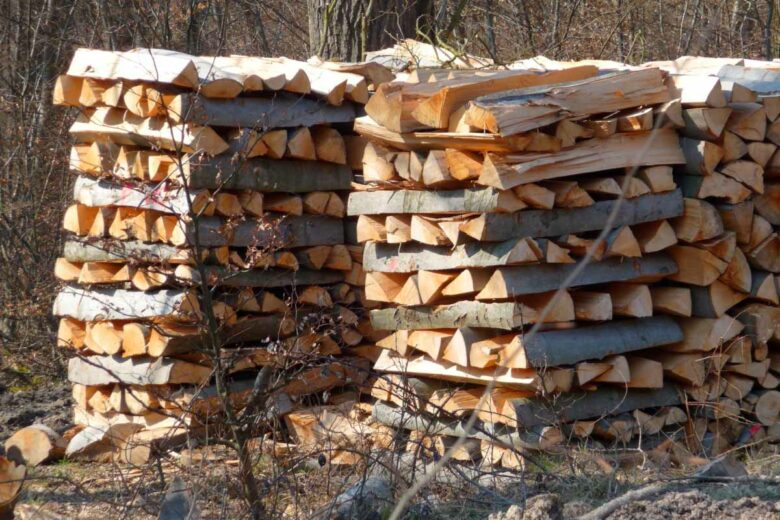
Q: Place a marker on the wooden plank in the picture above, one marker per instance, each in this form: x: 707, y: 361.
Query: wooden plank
x: 509, y: 113
x: 419, y: 141
x: 474, y: 200
x: 119, y: 304
x: 505, y: 316
x: 625, y: 150
x: 606, y: 400
x: 410, y: 257
x: 266, y: 175
x: 495, y: 227
x: 162, y: 197
x: 508, y: 282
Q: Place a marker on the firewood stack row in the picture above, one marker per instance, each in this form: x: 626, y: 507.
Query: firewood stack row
x: 480, y: 193
x: 208, y: 209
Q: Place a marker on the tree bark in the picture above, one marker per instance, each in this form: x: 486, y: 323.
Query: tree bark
x: 346, y: 29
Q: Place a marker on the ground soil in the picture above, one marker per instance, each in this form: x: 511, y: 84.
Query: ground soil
x: 49, y: 404
x: 756, y: 502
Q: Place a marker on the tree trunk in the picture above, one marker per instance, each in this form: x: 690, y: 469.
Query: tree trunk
x: 346, y: 29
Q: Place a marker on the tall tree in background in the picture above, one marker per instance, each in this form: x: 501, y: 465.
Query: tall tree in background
x: 346, y: 29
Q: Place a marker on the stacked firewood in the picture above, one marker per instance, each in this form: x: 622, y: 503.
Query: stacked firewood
x: 480, y: 194
x: 206, y: 237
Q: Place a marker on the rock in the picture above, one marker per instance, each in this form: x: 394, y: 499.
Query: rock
x: 366, y: 499
x: 727, y: 466
x: 178, y: 503
x: 576, y: 509
x: 546, y: 506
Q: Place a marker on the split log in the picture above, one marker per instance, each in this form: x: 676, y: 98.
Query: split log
x: 697, y: 91
x: 542, y: 223
x: 564, y: 347
x: 277, y: 111
x: 714, y: 185
x: 118, y: 304
x: 432, y: 202
x: 125, y: 128
x: 659, y: 147
x: 509, y: 113
x: 266, y: 175
x: 12, y: 477
x: 695, y: 266
x: 506, y: 316
x: 104, y: 370
x: 605, y: 400
x: 508, y: 282
x: 416, y: 141
x: 714, y: 300
x: 675, y: 301
x: 108, y: 250
x: 705, y: 123
x: 414, y: 257
x: 701, y: 157
x: 402, y: 107
x: 266, y: 278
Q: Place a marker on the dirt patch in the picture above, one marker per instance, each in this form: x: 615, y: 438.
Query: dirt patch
x: 709, y: 502
x: 47, y: 404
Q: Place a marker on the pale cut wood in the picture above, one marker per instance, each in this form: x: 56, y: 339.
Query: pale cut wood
x: 128, y: 129
x: 569, y: 194
x: 701, y: 157
x: 426, y: 231
x: 148, y: 65
x: 592, y: 306
x: 117, y: 304
x: 704, y: 334
x: 635, y: 120
x: 687, y: 368
x: 402, y: 107
x: 705, y: 123
x: 713, y: 185
x: 505, y: 316
x: 766, y: 255
x: 430, y: 202
x: 697, y: 91
x: 654, y: 236
x: 738, y: 275
x: 630, y: 300
x: 761, y: 153
x: 695, y: 266
x: 669, y: 114
x: 103, y: 370
x: 472, y: 141
x: 568, y: 132
x: 763, y: 287
x: 660, y: 147
x: 747, y: 172
x: 34, y: 445
x: 511, y: 113
x: 738, y: 218
x: 768, y: 204
x: 747, y: 120
x: 415, y: 257
x: 733, y: 147
x: 713, y: 301
x: 722, y: 246
x: 675, y: 301
x: 93, y: 193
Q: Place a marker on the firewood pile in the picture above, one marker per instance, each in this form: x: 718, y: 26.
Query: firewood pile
x: 208, y: 210
x: 481, y: 193
x: 566, y: 251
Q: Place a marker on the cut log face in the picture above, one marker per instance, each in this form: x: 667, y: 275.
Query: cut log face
x: 34, y: 445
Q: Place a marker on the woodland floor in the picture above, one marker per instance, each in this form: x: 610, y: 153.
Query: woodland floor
x: 82, y: 490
